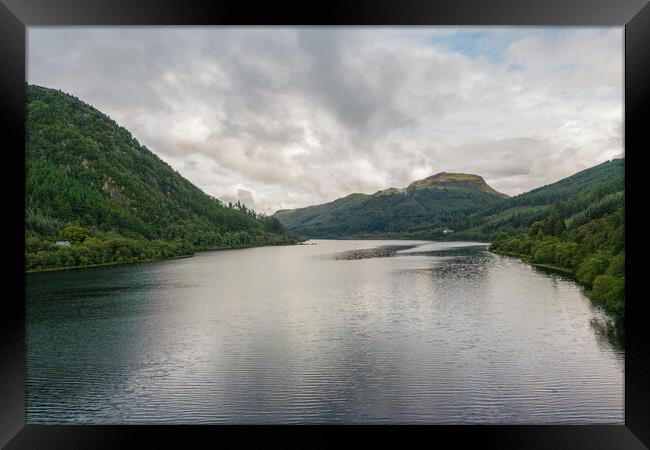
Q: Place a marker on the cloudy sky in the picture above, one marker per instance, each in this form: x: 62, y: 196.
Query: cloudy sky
x: 289, y: 117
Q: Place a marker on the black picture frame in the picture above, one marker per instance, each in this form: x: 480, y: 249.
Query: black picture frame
x: 16, y: 15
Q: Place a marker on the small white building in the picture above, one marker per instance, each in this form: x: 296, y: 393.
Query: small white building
x: 62, y: 243
x: 447, y: 231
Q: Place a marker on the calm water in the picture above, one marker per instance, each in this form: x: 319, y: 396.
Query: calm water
x: 341, y: 331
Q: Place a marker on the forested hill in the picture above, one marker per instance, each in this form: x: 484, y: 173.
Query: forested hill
x: 597, y: 187
x: 90, y: 183
x: 425, y: 206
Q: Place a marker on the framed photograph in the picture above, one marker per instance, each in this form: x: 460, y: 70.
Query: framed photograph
x: 405, y: 215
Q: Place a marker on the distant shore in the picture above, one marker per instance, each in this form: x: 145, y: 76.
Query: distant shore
x: 527, y: 260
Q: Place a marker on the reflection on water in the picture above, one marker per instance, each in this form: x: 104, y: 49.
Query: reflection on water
x: 342, y: 331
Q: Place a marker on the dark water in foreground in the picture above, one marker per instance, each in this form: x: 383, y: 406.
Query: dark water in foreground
x: 341, y: 331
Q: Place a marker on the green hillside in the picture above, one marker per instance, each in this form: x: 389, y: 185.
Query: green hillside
x: 425, y: 205
x: 89, y: 182
x: 594, y: 187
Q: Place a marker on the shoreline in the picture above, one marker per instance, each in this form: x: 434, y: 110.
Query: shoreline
x: 118, y: 263
x: 612, y: 328
x: 393, y: 238
x: 527, y: 260
x: 522, y: 257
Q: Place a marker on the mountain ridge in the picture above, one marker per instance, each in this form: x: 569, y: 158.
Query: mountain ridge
x: 480, y: 222
x: 434, y: 201
x: 440, y: 179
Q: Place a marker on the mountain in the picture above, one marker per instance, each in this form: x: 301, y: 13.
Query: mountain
x: 596, y: 187
x: 431, y: 203
x: 456, y: 180
x: 91, y: 183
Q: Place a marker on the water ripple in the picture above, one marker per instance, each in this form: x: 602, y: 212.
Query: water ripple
x: 406, y: 333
